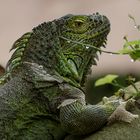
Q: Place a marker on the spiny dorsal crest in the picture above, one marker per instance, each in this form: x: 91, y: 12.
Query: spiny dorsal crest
x: 19, y: 47
x: 16, y: 59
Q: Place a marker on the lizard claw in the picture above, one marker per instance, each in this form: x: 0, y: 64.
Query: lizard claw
x: 121, y: 114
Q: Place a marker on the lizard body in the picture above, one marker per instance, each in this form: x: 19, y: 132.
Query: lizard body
x: 42, y: 88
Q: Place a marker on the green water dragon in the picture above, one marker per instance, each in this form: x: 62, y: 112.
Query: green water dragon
x: 42, y: 95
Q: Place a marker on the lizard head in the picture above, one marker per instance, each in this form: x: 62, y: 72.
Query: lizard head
x: 66, y: 46
x: 81, y: 36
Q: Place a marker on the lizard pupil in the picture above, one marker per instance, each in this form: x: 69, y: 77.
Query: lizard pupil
x: 78, y: 23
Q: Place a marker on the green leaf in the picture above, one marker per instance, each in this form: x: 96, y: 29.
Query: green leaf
x: 131, y: 43
x: 135, y: 55
x: 108, y: 79
x: 131, y: 48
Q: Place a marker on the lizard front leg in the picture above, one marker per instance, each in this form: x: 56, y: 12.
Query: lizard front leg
x: 78, y: 118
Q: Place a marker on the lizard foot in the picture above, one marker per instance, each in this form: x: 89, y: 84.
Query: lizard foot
x: 121, y: 114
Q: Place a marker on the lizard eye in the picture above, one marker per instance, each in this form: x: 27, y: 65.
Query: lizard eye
x: 78, y: 25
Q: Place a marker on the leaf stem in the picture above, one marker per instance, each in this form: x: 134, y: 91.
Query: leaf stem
x: 115, y: 83
x: 84, y: 44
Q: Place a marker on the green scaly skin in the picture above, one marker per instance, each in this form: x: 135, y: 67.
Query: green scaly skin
x: 48, y: 67
x: 2, y: 70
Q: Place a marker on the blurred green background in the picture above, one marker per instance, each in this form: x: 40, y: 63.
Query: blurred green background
x: 95, y: 93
